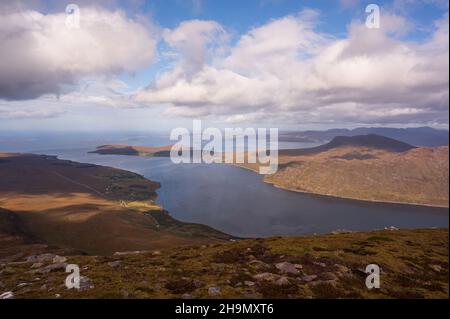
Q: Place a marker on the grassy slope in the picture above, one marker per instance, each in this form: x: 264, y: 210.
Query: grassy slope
x: 417, y: 176
x: 414, y: 265
x: 90, y: 208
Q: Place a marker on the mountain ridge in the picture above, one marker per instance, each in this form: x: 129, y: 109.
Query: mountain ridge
x: 417, y: 136
x: 370, y: 141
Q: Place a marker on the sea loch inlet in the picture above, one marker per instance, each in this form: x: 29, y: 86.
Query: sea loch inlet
x: 258, y: 148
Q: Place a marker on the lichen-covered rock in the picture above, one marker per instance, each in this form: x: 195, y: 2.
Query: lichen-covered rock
x: 7, y: 295
x: 42, y: 258
x: 59, y: 259
x: 115, y: 264
x: 282, y: 281
x: 214, y: 291
x: 86, y: 283
x: 51, y: 268
x: 267, y: 276
x: 287, y: 267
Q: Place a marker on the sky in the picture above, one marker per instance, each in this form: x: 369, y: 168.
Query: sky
x: 156, y: 65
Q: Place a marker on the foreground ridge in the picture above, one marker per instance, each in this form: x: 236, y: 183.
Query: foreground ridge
x: 414, y: 264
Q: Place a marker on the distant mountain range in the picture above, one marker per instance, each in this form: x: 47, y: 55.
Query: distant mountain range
x: 369, y: 141
x: 418, y: 136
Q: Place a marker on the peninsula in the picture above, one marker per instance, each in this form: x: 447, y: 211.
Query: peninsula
x: 364, y: 167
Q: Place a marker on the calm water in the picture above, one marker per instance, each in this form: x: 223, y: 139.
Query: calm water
x: 237, y: 202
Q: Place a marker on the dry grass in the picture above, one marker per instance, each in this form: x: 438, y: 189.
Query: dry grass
x: 89, y: 208
x: 418, y: 176
x: 414, y: 264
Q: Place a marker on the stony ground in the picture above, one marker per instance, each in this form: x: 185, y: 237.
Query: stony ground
x: 414, y: 264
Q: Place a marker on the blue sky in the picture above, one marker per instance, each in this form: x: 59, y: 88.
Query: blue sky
x: 239, y: 16
x: 280, y: 63
x: 242, y: 15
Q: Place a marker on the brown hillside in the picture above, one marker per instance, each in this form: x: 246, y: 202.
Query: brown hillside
x: 416, y: 176
x: 90, y: 208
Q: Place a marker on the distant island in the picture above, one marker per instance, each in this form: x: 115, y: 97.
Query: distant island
x: 116, y: 149
x: 364, y: 167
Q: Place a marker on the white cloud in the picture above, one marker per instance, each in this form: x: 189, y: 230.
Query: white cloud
x: 287, y: 68
x: 32, y: 110
x: 92, y: 94
x: 284, y: 71
x: 40, y: 55
x: 195, y: 41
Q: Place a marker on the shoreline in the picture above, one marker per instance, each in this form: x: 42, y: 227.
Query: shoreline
x: 340, y: 197
x: 319, y: 194
x: 356, y: 199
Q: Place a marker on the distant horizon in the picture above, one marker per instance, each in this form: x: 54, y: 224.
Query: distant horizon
x: 167, y: 131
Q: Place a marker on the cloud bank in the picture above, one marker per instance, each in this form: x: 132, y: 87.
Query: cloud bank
x: 287, y: 69
x: 283, y: 72
x: 41, y: 55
